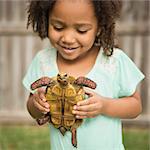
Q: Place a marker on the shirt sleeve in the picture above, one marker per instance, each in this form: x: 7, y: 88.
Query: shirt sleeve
x: 33, y: 73
x: 129, y: 75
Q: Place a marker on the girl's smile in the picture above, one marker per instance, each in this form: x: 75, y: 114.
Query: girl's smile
x: 72, y: 32
x: 68, y: 49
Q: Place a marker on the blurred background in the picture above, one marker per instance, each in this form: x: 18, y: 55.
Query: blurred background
x: 19, y: 45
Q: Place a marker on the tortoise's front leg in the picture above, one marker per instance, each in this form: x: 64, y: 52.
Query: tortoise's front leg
x: 44, y: 81
x: 83, y: 81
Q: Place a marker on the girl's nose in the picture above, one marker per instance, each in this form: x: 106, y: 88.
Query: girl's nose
x: 68, y: 38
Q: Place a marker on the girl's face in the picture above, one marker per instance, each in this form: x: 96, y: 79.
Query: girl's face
x: 72, y: 28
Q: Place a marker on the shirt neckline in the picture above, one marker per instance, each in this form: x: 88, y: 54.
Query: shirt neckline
x: 93, y: 69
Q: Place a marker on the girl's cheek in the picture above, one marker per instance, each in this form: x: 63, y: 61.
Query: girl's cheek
x: 88, y: 42
x: 89, y: 39
x: 53, y: 36
x: 52, y: 33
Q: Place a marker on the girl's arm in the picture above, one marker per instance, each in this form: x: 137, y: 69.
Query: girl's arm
x: 37, y: 105
x: 126, y: 107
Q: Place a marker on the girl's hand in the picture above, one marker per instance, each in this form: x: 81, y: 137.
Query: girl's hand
x: 89, y: 108
x: 39, y: 101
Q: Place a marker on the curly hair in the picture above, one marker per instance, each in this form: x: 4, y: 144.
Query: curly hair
x: 106, y: 12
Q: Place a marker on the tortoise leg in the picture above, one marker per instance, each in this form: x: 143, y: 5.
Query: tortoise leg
x: 62, y: 130
x: 74, y: 137
x: 41, y: 82
x: 43, y: 120
x: 83, y: 81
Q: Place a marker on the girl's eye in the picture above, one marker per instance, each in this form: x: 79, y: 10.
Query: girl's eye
x: 58, y: 28
x: 82, y: 31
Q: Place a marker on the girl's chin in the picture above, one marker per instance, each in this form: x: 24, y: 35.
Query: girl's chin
x: 67, y: 57
x: 68, y: 54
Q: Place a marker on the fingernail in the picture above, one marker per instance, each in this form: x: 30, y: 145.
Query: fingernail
x: 44, y: 99
x: 78, y: 104
x: 77, y: 116
x: 46, y: 105
x: 48, y: 110
x: 75, y: 107
x: 73, y: 112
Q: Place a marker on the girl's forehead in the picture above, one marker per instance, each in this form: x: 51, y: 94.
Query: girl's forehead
x: 73, y: 10
x: 74, y: 1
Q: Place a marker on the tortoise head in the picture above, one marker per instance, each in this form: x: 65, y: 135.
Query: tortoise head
x: 62, y: 79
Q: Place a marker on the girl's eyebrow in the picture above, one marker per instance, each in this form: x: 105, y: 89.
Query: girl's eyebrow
x: 84, y: 25
x: 79, y: 25
x: 56, y: 21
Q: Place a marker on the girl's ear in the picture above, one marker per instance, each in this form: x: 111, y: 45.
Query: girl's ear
x: 97, y: 41
x: 98, y: 32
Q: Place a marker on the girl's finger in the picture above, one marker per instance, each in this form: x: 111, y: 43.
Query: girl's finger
x: 79, y: 113
x: 86, y: 115
x: 40, y: 107
x: 88, y: 92
x: 85, y: 102
x: 87, y: 108
x: 42, y: 97
x: 42, y: 103
x: 41, y: 93
x: 41, y: 90
x: 81, y: 117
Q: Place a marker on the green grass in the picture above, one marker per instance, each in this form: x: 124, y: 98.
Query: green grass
x: 37, y: 138
x: 24, y: 138
x: 136, y: 139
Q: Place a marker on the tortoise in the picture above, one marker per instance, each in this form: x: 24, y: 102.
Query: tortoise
x: 62, y: 93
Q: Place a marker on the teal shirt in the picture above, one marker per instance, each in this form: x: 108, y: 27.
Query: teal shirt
x: 116, y: 76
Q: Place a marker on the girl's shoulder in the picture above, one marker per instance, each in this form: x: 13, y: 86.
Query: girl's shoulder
x: 127, y: 73
x: 119, y: 53
x: 116, y: 61
x: 120, y: 57
x: 110, y: 63
x: 117, y: 57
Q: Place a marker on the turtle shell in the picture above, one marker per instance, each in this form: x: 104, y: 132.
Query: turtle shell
x: 62, y: 95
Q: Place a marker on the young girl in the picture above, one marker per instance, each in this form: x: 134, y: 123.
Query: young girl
x: 82, y: 35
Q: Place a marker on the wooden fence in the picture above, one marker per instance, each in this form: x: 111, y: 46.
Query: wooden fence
x: 18, y: 46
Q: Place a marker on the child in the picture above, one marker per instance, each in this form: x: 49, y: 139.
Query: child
x: 82, y: 35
